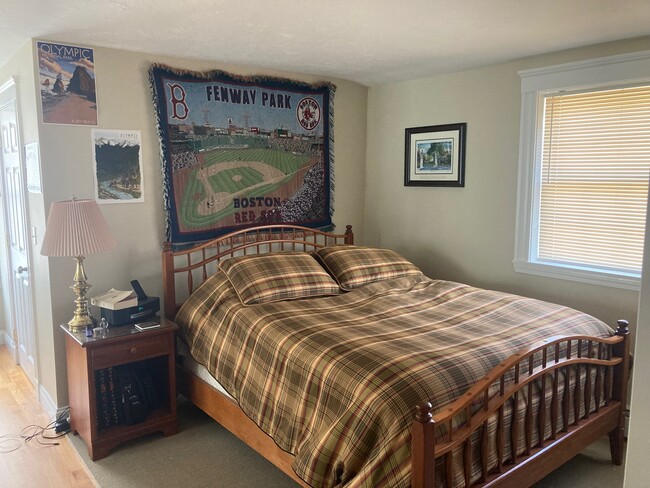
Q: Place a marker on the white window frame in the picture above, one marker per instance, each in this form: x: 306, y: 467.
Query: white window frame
x: 612, y: 71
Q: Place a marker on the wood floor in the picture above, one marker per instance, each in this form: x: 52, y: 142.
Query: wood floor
x: 32, y: 465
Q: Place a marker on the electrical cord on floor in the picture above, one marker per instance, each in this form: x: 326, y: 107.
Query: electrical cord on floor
x: 14, y: 443
x: 36, y: 432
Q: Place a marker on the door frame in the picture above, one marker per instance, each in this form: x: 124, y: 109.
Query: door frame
x: 13, y: 97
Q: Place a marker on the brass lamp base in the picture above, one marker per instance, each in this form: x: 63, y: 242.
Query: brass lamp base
x: 79, y: 323
x: 81, y: 318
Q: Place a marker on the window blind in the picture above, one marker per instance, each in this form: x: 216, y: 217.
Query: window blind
x: 594, y: 178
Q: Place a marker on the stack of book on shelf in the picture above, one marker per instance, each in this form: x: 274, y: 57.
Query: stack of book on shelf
x: 106, y: 390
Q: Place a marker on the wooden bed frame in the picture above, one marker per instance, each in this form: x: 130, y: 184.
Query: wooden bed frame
x: 606, y: 361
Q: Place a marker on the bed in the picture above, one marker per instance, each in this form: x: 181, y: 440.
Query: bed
x: 357, y: 384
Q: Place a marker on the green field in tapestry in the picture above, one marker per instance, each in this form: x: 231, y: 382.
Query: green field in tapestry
x: 235, y: 180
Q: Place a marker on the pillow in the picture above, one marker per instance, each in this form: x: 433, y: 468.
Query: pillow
x: 353, y: 266
x: 265, y: 278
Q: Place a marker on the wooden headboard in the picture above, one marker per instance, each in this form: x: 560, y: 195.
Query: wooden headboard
x: 185, y: 270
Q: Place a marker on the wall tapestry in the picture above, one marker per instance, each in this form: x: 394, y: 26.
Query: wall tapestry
x: 242, y: 151
x: 67, y: 79
x: 118, y: 166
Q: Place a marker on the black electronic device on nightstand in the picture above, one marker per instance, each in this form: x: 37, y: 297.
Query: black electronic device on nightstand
x: 147, y: 307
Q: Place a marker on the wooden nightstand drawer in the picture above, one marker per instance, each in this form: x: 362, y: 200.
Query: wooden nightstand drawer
x: 134, y: 349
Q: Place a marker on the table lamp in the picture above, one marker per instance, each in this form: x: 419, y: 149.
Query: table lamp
x: 77, y: 228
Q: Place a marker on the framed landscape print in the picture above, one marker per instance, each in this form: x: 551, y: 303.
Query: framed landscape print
x: 435, y: 155
x: 118, y: 166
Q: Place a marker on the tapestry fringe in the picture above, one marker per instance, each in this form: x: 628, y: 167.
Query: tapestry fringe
x: 207, y: 75
x: 161, y: 143
x: 332, y: 90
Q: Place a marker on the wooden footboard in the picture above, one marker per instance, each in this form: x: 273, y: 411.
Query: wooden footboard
x: 448, y: 447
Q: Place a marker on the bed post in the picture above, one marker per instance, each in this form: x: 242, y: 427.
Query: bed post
x: 349, y: 236
x: 169, y: 288
x: 422, y: 450
x: 621, y: 377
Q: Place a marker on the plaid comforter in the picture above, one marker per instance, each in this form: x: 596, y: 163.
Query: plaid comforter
x: 334, y: 380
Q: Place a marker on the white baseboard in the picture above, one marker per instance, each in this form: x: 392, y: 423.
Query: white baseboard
x: 46, y: 402
x: 5, y: 338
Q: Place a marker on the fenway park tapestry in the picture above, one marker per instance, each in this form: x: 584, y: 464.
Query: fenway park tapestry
x: 242, y: 151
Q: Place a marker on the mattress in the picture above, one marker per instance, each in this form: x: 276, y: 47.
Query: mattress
x: 198, y: 369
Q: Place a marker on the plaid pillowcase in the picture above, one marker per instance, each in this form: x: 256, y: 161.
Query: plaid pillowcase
x: 353, y: 266
x: 265, y: 278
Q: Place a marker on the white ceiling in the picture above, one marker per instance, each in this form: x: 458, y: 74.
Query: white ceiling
x: 367, y: 41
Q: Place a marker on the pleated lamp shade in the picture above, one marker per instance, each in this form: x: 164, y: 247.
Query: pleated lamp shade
x: 76, y: 228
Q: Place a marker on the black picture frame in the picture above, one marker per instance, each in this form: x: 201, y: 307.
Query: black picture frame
x: 434, y: 155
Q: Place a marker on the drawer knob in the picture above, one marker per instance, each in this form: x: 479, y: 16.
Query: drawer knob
x: 134, y: 350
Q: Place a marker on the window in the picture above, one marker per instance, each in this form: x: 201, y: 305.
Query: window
x: 584, y: 170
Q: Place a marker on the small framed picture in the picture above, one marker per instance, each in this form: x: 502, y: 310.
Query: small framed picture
x: 435, y: 155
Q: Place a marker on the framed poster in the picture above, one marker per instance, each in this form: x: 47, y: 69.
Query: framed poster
x: 435, y: 155
x: 118, y: 166
x: 67, y: 84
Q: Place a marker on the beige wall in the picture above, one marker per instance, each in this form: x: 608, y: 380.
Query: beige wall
x: 468, y: 234
x: 125, y: 102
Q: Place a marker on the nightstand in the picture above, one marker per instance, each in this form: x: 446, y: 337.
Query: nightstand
x: 91, y: 359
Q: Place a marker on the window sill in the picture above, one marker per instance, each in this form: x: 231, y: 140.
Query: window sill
x: 626, y: 281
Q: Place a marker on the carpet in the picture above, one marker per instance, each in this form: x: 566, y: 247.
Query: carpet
x: 204, y: 454
x: 591, y: 468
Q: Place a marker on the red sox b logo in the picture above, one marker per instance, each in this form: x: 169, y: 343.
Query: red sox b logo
x: 308, y: 113
x: 180, y: 110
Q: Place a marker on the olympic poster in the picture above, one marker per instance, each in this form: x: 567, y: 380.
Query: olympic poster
x: 238, y: 152
x: 67, y: 84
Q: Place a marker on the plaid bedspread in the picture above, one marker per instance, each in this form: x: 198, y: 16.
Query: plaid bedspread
x: 334, y: 380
